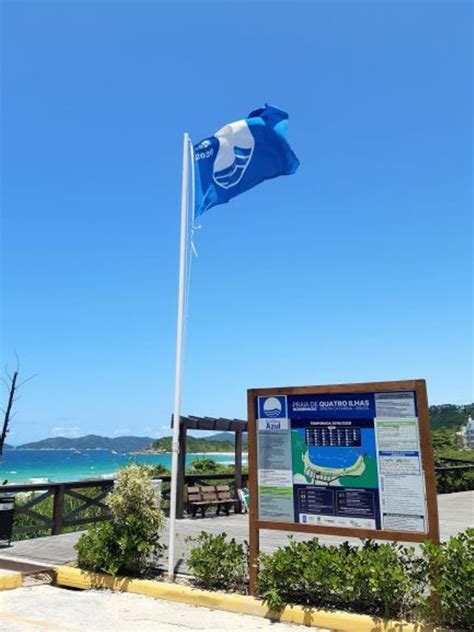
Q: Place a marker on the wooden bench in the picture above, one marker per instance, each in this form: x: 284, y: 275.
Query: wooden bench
x: 203, y: 497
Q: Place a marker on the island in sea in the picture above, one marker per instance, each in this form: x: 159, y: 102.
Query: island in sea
x: 219, y: 442
x: 93, y: 456
x: 89, y: 442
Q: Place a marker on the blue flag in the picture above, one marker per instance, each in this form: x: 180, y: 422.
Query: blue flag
x: 240, y: 156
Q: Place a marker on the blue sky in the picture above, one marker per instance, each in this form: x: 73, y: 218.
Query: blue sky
x: 356, y: 268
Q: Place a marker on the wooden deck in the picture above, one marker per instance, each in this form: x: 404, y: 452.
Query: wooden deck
x: 456, y: 514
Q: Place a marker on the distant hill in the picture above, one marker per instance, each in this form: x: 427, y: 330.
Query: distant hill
x: 225, y: 436
x: 220, y: 442
x: 193, y: 444
x: 450, y: 415
x: 90, y: 442
x: 7, y: 446
x: 441, y: 416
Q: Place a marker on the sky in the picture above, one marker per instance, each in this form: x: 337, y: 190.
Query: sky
x: 357, y: 268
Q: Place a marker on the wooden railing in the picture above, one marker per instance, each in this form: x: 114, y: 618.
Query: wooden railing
x: 454, y: 474
x: 66, y: 506
x: 75, y: 503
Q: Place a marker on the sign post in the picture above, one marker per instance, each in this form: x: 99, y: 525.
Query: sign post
x: 352, y: 460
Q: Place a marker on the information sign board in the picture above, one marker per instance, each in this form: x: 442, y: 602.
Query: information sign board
x: 343, y: 460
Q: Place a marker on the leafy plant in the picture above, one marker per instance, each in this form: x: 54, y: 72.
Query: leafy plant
x: 377, y: 579
x: 457, y: 480
x: 218, y: 563
x: 204, y: 466
x: 129, y: 543
x: 195, y: 445
x: 450, y: 415
x: 99, y: 549
x: 449, y: 568
x: 134, y: 494
x: 156, y: 470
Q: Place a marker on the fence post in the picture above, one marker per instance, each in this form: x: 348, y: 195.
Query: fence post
x: 58, y: 505
x: 181, y: 472
x: 238, y: 468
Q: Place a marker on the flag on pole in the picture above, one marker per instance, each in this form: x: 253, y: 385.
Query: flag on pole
x: 241, y: 155
x: 238, y: 157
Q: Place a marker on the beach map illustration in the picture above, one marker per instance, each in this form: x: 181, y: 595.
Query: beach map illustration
x: 346, y: 461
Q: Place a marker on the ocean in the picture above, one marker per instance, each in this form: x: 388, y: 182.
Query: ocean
x: 20, y: 466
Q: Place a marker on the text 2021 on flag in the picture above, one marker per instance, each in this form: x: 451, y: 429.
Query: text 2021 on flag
x: 240, y: 156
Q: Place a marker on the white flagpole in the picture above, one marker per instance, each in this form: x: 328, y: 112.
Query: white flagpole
x: 179, y: 354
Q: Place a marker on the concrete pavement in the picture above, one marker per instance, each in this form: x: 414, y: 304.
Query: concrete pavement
x: 42, y: 608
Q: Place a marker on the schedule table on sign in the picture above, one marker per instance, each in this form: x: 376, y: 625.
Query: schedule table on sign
x: 332, y: 436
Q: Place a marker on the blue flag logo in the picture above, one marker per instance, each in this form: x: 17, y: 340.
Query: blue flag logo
x: 241, y: 155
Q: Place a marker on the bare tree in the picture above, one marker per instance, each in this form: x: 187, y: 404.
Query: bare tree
x: 12, y: 388
x: 7, y: 412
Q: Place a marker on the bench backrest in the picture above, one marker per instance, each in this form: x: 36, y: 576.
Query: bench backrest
x: 223, y: 492
x: 194, y: 494
x: 208, y: 493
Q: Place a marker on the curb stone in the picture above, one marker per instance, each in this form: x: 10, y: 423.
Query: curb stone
x: 10, y: 580
x: 335, y: 620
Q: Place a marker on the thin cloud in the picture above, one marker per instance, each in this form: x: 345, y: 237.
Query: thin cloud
x: 66, y: 431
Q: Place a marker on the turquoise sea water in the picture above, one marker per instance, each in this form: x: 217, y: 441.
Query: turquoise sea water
x: 19, y: 466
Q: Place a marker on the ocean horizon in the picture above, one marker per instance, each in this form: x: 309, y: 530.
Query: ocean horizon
x: 21, y: 465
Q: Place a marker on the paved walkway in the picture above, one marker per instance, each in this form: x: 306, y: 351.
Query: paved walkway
x: 43, y: 608
x: 456, y: 513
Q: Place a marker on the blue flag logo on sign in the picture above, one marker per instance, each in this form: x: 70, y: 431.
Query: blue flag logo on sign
x: 241, y: 155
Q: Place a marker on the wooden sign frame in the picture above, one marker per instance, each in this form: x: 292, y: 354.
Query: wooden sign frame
x: 427, y: 460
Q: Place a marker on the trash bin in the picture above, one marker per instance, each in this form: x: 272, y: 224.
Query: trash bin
x: 7, y: 509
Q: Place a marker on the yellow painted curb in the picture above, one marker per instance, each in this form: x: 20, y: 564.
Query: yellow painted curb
x: 334, y: 620
x: 10, y: 580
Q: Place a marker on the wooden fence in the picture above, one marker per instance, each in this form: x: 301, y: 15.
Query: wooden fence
x: 75, y: 503
x: 454, y: 475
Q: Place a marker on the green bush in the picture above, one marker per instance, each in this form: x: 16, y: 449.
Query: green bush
x: 157, y: 470
x: 449, y: 568
x: 386, y: 580
x: 218, y: 563
x: 99, y: 548
x: 204, y: 466
x: 130, y: 542
x: 449, y: 481
x: 377, y: 579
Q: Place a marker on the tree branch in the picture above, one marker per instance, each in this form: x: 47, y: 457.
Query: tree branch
x: 7, y: 416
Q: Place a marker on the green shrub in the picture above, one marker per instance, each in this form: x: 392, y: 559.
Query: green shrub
x: 218, y: 563
x: 449, y: 568
x: 377, y: 579
x: 157, y: 470
x: 99, y: 549
x: 129, y: 543
x: 449, y: 481
x: 204, y: 466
